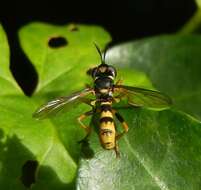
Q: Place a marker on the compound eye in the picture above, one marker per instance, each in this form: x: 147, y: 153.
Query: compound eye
x: 94, y: 72
x: 113, y: 71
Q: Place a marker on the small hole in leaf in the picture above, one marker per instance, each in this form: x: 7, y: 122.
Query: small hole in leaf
x: 73, y: 28
x: 29, y: 173
x: 56, y: 42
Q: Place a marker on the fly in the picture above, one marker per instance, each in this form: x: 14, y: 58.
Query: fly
x: 106, y: 93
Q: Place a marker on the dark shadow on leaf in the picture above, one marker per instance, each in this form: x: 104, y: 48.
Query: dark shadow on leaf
x: 47, y: 179
x: 21, y: 67
x: 86, y: 151
x: 12, y: 157
x: 18, y: 168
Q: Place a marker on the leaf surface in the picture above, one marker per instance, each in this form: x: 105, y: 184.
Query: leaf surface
x: 171, y: 63
x: 25, y: 141
x: 161, y: 149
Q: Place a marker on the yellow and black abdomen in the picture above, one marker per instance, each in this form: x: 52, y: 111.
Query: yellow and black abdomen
x: 107, y: 127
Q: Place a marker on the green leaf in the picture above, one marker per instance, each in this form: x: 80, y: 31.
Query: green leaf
x: 194, y: 23
x: 79, y: 53
x: 62, y: 71
x: 161, y: 151
x: 171, y: 63
x: 25, y: 141
x: 198, y: 3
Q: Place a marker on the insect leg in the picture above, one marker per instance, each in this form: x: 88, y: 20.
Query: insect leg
x: 118, y: 98
x: 119, y: 82
x: 86, y: 128
x: 124, y: 124
x: 117, y: 150
x: 88, y: 101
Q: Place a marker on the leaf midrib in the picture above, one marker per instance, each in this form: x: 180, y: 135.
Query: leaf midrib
x: 157, y: 180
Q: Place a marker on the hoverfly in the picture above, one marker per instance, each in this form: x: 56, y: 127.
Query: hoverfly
x: 106, y: 93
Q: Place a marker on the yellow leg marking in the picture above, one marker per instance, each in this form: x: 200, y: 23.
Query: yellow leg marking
x: 88, y: 101
x: 93, y: 102
x: 83, y: 116
x: 116, y: 100
x: 125, y: 126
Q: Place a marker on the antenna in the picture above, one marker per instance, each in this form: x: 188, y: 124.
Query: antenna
x: 99, y: 52
x: 104, y: 53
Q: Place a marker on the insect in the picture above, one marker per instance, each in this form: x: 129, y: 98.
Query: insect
x: 106, y: 93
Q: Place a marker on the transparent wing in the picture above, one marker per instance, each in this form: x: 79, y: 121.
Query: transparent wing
x: 54, y: 106
x: 143, y: 97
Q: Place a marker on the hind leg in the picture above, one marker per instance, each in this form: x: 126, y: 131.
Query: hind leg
x: 116, y: 149
x: 122, y: 121
x: 118, y: 136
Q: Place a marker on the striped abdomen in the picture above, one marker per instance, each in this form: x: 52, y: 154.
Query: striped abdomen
x: 107, y: 127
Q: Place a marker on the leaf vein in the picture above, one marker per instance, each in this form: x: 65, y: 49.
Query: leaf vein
x: 157, y: 180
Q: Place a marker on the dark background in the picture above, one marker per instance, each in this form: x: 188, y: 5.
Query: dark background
x: 125, y: 20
